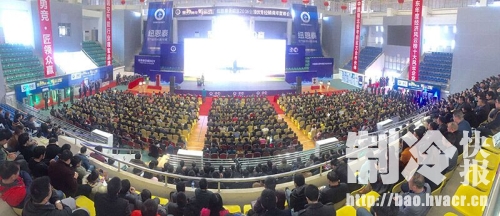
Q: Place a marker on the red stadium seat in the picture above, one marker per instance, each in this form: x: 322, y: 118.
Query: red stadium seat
x: 256, y: 154
x: 206, y: 155
x: 214, y: 156
x: 223, y: 156
x: 232, y: 156
x: 266, y: 154
x: 249, y: 155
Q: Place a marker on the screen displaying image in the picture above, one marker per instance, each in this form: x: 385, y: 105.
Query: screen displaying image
x: 219, y: 58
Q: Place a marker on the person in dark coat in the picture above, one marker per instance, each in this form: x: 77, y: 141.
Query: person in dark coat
x: 268, y: 203
x: 61, y: 175
x: 313, y: 207
x: 110, y: 204
x: 43, y: 201
x: 52, y: 149
x: 270, y: 183
x: 297, y: 198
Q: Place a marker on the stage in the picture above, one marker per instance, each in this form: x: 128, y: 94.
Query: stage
x: 223, y: 88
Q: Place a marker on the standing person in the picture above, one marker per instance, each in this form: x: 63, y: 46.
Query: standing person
x: 91, y: 86
x: 46, y: 100
x: 328, y: 85
x: 84, y: 90
x: 59, y: 97
x: 71, y: 94
x: 203, y: 94
x: 80, y: 91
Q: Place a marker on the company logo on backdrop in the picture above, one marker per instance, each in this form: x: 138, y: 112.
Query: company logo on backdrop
x: 402, y: 83
x: 160, y: 14
x: 294, y: 49
x: 305, y: 17
x: 147, y: 61
x: 28, y: 87
x: 177, y: 12
x: 173, y: 48
x: 413, y: 84
x: 75, y: 76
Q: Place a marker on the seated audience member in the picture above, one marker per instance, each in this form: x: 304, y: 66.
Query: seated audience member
x: 177, y: 208
x: 91, y: 185
x: 38, y: 165
x: 179, y: 187
x: 270, y: 183
x: 109, y: 204
x: 463, y: 125
x: 13, y: 143
x: 44, y: 201
x: 61, y: 175
x: 127, y: 192
x: 149, y: 208
x: 137, y: 161
x: 297, y: 197
x: 384, y: 206
x: 492, y: 125
x: 335, y: 191
x: 419, y: 188
x: 215, y: 207
x: 85, y: 159
x: 14, y: 184
x: 268, y: 203
x: 202, y: 195
x: 52, y: 149
x: 98, y: 156
x: 455, y: 137
x: 76, y: 165
x: 313, y: 207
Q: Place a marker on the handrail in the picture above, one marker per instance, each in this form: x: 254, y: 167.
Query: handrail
x: 493, y: 208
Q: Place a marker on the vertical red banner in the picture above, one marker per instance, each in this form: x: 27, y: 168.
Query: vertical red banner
x: 357, y: 30
x: 47, y: 42
x: 109, y: 36
x: 416, y: 27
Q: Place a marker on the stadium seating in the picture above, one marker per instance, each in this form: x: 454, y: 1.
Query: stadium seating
x: 19, y: 64
x: 436, y: 68
x: 95, y: 52
x: 366, y: 57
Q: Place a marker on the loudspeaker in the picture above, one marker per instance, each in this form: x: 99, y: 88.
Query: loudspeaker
x: 172, y: 84
x: 299, y: 85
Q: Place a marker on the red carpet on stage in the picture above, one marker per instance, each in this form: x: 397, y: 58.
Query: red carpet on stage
x: 275, y: 105
x: 205, y: 106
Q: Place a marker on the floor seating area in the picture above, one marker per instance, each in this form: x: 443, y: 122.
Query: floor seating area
x: 366, y: 56
x: 436, y: 68
x: 95, y: 52
x: 19, y: 64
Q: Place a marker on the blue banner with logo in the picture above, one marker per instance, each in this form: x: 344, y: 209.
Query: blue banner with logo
x: 322, y: 66
x: 417, y: 86
x: 295, y: 57
x: 102, y: 74
x: 172, y: 56
x: 306, y: 28
x: 144, y: 63
x: 158, y: 28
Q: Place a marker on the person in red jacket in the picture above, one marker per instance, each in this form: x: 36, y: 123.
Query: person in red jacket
x: 13, y: 186
x: 62, y: 177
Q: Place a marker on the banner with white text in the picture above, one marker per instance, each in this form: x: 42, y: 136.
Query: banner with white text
x: 416, y: 27
x: 306, y: 28
x: 159, y: 27
x: 357, y: 30
x: 109, y: 34
x: 47, y: 42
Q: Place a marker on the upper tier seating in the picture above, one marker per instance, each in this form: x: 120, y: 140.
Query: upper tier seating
x: 366, y: 57
x: 436, y: 68
x: 19, y: 64
x: 95, y: 52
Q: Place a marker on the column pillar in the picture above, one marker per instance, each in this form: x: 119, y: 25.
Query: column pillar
x: 289, y: 32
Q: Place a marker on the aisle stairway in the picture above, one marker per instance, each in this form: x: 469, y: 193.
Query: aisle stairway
x: 95, y: 52
x: 19, y: 64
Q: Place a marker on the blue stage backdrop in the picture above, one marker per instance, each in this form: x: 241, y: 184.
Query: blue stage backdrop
x: 158, y: 28
x: 417, y: 86
x: 322, y: 66
x: 145, y: 63
x: 295, y: 57
x: 172, y: 56
x: 306, y: 28
x: 231, y: 10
